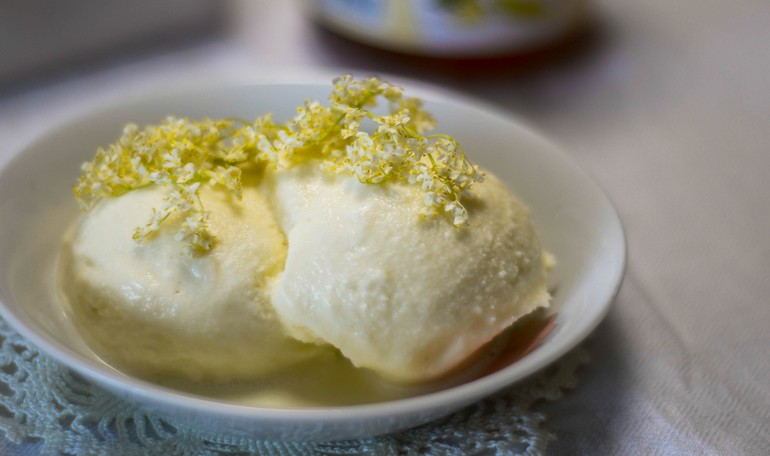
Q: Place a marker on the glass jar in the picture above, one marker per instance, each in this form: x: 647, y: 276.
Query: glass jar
x: 450, y: 28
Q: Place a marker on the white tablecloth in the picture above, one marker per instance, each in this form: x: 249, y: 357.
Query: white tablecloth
x: 667, y: 105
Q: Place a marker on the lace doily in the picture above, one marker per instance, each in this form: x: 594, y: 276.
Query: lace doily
x: 66, y: 414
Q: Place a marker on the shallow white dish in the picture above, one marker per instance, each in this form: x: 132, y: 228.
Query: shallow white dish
x: 576, y: 220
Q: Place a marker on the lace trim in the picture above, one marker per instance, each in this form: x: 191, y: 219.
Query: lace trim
x: 41, y: 399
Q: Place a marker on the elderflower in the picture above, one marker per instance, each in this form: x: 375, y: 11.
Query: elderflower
x: 182, y: 154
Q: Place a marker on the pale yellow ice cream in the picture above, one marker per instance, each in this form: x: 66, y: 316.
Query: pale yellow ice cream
x: 152, y: 309
x: 405, y: 296
x: 306, y: 259
x: 327, y: 249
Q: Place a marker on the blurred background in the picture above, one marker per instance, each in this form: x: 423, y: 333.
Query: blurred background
x: 41, y: 37
x: 535, y: 56
x: 666, y: 104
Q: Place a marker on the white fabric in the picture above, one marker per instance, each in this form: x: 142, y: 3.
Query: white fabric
x: 666, y: 104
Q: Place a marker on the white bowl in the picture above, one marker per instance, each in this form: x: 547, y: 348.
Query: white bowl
x: 577, y: 222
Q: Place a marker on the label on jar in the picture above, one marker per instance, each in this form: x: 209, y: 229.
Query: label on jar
x: 449, y: 27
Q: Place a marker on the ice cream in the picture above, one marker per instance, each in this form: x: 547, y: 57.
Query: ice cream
x: 405, y: 296
x: 153, y: 309
x: 382, y: 242
x: 304, y: 259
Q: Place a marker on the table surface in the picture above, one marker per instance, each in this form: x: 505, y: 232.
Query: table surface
x: 667, y: 106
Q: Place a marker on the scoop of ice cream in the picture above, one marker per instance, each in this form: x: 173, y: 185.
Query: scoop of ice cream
x: 408, y: 297
x: 153, y: 309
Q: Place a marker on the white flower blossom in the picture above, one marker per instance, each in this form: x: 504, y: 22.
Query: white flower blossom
x: 182, y: 154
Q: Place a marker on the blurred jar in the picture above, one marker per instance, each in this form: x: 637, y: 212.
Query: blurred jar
x: 450, y: 28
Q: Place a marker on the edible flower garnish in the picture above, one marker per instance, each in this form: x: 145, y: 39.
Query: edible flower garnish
x: 182, y: 154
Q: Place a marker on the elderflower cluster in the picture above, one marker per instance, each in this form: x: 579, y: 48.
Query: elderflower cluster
x: 183, y: 154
